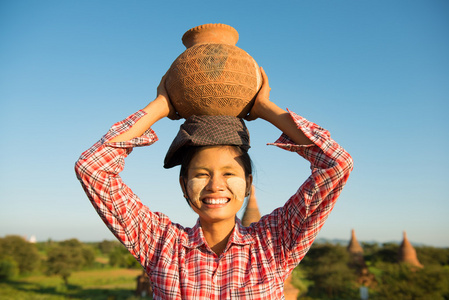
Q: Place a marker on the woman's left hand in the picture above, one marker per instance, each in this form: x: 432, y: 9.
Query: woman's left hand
x: 262, y: 101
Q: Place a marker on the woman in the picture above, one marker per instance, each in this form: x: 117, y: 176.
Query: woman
x: 218, y: 258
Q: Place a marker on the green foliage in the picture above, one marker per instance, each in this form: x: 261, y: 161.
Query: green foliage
x: 120, y: 257
x: 68, y: 256
x: 24, y: 254
x: 107, y: 247
x: 43, y: 247
x: 63, y: 261
x: 327, y: 267
x: 432, y: 256
x: 400, y: 281
x: 300, y: 281
x: 87, y: 284
x: 8, y: 268
x: 387, y: 253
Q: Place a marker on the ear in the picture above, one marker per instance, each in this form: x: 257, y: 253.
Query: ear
x: 249, y: 183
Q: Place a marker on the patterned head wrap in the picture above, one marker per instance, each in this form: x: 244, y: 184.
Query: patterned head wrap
x: 207, y: 131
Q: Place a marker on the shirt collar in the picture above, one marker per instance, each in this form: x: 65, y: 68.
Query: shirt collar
x: 195, y: 237
x: 239, y: 236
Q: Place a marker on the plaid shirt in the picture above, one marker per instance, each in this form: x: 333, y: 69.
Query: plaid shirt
x: 180, y: 264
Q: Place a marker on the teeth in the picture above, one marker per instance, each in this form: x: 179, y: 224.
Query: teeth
x: 215, y: 201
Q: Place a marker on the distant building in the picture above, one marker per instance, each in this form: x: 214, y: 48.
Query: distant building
x: 407, y: 254
x: 252, y: 213
x: 354, y: 247
x: 357, y: 263
x: 32, y: 239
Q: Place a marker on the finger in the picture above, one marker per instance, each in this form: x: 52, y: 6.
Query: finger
x: 264, y: 76
x: 250, y: 117
x: 253, y: 191
x: 164, y: 78
x: 174, y: 117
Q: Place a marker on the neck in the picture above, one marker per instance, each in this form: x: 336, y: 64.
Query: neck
x: 217, y: 234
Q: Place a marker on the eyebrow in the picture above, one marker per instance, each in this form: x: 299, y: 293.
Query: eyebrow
x: 227, y: 167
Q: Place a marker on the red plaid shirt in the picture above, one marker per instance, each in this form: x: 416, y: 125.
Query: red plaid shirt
x: 180, y: 264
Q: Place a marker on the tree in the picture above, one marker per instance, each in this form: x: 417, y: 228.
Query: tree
x: 120, y: 257
x: 68, y: 256
x: 387, y: 253
x: 107, y: 247
x: 433, y: 256
x: 299, y: 280
x: 24, y: 254
x: 8, y: 268
x: 401, y: 281
x: 327, y: 267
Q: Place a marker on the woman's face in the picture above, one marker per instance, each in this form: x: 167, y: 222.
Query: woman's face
x: 216, y: 184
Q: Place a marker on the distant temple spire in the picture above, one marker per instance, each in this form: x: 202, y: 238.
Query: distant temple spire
x: 356, y: 253
x: 354, y: 246
x: 407, y: 254
x: 252, y: 213
x: 357, y: 262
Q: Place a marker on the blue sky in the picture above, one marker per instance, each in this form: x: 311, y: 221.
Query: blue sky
x: 374, y: 73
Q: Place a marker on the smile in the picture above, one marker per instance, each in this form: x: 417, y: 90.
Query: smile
x: 215, y: 200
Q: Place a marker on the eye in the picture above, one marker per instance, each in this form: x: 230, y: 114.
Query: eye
x: 229, y: 174
x: 201, y: 175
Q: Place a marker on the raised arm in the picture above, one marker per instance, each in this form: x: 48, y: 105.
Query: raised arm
x: 98, y: 169
x: 294, y: 227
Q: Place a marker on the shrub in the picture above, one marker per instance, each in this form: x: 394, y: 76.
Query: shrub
x: 327, y: 266
x: 68, y: 256
x: 401, y: 281
x: 120, y: 257
x: 25, y: 254
x: 8, y: 268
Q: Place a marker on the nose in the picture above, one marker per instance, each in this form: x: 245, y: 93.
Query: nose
x: 216, y: 183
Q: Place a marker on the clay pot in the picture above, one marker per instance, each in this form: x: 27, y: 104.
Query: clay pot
x: 213, y: 76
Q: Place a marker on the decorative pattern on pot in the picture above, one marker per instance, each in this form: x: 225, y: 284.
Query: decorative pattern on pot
x: 213, y: 76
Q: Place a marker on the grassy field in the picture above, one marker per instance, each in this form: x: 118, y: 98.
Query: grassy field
x: 110, y: 284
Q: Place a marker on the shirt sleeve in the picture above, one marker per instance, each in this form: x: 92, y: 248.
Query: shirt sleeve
x: 98, y: 168
x: 293, y: 227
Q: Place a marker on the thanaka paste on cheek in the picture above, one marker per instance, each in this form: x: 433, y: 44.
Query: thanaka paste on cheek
x: 237, y: 186
x: 195, y: 186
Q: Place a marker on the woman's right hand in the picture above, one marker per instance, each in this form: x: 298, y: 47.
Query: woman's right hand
x: 165, y: 104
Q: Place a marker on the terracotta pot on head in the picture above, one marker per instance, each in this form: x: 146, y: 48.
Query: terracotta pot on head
x: 213, y: 76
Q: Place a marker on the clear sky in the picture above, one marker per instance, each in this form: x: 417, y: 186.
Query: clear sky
x: 374, y: 73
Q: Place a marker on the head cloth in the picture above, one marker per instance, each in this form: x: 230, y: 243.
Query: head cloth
x: 207, y: 131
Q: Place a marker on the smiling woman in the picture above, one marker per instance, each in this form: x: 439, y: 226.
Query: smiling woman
x: 218, y: 258
x: 216, y: 188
